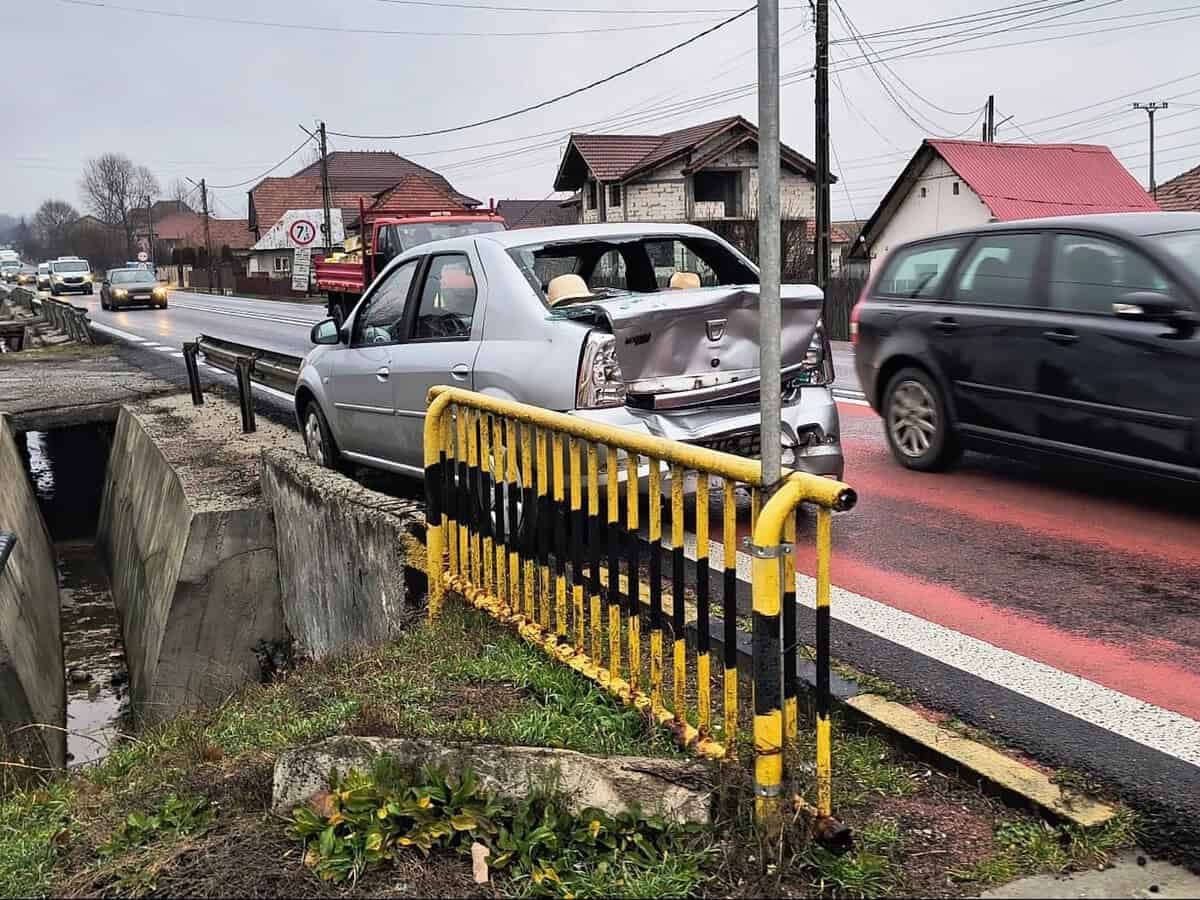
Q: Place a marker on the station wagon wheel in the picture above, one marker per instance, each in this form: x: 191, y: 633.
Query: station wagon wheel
x: 917, y: 421
x: 318, y: 440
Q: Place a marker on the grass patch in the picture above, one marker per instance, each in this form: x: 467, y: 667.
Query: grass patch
x: 32, y: 827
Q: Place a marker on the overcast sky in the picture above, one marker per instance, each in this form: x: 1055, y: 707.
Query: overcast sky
x: 222, y: 99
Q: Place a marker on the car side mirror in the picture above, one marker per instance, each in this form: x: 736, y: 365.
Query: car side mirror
x: 325, y: 332
x: 1152, y: 306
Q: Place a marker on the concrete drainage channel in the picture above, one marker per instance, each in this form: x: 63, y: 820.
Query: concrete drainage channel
x: 163, y: 557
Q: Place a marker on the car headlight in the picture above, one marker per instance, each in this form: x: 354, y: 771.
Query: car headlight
x: 87, y: 277
x: 160, y: 292
x: 57, y: 278
x: 120, y: 293
x: 601, y: 383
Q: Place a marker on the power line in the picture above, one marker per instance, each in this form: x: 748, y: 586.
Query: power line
x: 624, y: 11
x: 544, y: 103
x: 380, y: 32
x: 222, y: 187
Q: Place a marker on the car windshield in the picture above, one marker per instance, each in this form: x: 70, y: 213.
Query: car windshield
x: 131, y: 276
x: 644, y: 264
x: 71, y: 266
x: 1184, y: 246
x: 424, y: 232
x: 8, y: 266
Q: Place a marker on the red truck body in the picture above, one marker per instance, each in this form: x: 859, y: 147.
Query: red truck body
x: 344, y: 281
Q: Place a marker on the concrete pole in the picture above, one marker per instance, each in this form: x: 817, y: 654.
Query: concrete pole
x: 769, y: 249
x: 823, y: 229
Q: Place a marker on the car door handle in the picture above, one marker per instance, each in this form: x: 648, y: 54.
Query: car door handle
x: 383, y: 373
x: 1062, y: 336
x: 461, y: 371
x: 946, y: 324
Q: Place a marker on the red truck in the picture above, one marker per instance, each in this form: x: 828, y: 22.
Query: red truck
x: 344, y: 276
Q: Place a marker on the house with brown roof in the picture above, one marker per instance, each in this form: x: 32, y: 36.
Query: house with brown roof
x: 696, y: 174
x: 951, y: 184
x: 536, y: 213
x: 1181, y: 193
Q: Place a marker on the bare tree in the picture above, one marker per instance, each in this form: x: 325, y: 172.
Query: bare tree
x: 52, y: 224
x: 178, y: 191
x: 113, y: 187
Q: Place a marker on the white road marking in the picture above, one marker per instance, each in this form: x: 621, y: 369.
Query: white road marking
x: 1152, y: 726
x: 240, y: 314
x: 115, y: 332
x: 177, y: 354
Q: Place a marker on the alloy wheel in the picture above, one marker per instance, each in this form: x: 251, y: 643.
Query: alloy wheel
x: 314, y: 438
x: 912, y: 418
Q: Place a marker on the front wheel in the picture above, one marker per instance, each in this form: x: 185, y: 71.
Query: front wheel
x: 103, y: 302
x: 917, y: 422
x: 318, y: 440
x: 91, y: 289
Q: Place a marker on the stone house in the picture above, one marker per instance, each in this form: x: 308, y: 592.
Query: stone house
x: 701, y: 173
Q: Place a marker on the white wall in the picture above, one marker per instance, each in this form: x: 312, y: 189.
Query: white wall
x: 263, y: 262
x: 939, y: 210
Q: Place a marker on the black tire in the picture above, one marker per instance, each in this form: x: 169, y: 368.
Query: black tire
x: 162, y: 305
x: 103, y: 302
x: 327, y: 454
x: 91, y: 289
x: 917, y: 422
x: 53, y: 291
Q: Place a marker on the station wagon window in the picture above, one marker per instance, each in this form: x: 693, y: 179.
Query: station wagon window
x: 998, y: 270
x: 1089, y: 274
x: 919, y: 271
x: 381, y: 321
x: 447, y: 300
x: 609, y: 272
x: 671, y: 256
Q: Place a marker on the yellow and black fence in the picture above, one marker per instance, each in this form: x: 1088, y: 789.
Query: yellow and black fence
x: 536, y: 517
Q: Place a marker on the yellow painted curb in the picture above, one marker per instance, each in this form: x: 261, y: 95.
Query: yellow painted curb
x: 1001, y: 770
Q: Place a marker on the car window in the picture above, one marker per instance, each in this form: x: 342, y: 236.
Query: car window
x: 919, y: 271
x: 447, y: 300
x: 670, y: 256
x: 1089, y: 274
x: 382, y: 320
x: 998, y: 270
x: 609, y: 272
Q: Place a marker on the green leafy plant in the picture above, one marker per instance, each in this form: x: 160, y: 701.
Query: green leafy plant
x: 176, y: 816
x: 540, y: 844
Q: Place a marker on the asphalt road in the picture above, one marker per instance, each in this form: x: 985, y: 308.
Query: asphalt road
x: 1058, y: 607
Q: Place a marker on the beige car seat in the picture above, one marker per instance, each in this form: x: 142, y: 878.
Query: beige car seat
x: 682, y: 281
x: 564, y: 288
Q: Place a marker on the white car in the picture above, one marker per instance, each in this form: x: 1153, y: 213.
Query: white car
x: 43, y: 276
x: 70, y: 274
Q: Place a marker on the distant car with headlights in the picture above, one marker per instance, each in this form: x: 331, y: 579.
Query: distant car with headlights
x: 653, y: 328
x: 26, y: 276
x: 132, y: 287
x: 70, y: 274
x: 43, y: 276
x: 9, y: 269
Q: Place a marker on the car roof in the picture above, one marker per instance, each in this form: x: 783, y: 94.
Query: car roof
x: 1128, y: 224
x: 520, y: 237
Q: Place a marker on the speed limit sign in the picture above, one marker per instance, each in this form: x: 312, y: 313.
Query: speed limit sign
x: 303, y: 232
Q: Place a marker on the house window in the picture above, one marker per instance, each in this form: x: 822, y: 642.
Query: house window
x: 718, y: 187
x: 954, y: 189
x: 923, y: 193
x: 283, y: 264
x: 614, y: 195
x: 592, y: 202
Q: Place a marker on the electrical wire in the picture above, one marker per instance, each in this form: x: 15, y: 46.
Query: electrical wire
x: 374, y: 31
x: 624, y: 11
x: 221, y: 187
x: 544, y: 103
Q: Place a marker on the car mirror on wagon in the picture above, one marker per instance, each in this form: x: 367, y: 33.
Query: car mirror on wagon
x: 325, y: 332
x: 1150, y: 306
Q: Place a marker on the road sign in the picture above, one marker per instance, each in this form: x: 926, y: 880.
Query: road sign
x: 301, y: 268
x: 303, y: 232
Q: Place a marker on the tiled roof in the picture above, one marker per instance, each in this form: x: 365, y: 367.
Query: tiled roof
x: 837, y: 234
x: 615, y: 157
x: 1181, y: 193
x: 1028, y: 181
x: 272, y: 197
x: 175, y: 225
x: 414, y: 194
x: 535, y: 213
x: 376, y: 170
x: 234, y: 233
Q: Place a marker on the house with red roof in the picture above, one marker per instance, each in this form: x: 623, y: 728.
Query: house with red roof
x: 696, y: 174
x: 1181, y: 193
x: 951, y: 184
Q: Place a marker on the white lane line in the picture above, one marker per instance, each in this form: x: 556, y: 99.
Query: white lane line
x: 116, y: 332
x: 1152, y: 726
x: 177, y: 354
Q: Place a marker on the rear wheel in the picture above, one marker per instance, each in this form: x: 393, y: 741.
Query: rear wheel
x: 917, y: 422
x: 103, y: 302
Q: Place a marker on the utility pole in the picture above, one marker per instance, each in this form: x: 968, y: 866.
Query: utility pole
x: 989, y: 122
x: 150, y: 233
x: 824, y: 226
x: 207, y: 234
x: 326, y: 193
x: 769, y: 243
x: 1151, y: 109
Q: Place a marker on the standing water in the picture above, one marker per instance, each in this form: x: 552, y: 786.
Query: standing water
x: 66, y: 467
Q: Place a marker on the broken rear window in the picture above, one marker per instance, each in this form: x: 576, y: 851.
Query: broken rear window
x: 636, y: 265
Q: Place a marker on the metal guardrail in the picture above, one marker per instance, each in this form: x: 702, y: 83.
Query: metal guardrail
x: 71, y: 320
x: 275, y: 370
x: 502, y: 533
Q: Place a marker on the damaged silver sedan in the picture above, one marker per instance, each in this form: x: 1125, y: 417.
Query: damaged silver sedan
x: 648, y: 327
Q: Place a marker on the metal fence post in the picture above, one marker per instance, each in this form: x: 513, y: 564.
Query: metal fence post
x: 435, y: 468
x: 190, y: 349
x: 245, y: 365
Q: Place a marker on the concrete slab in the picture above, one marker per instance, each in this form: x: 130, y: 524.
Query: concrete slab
x: 32, y: 684
x: 70, y: 385
x: 677, y: 789
x: 1131, y: 875
x: 190, y: 546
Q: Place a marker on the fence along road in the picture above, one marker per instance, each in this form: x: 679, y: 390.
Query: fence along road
x: 1045, y: 605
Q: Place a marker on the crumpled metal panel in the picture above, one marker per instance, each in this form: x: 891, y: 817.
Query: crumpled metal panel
x: 684, y: 340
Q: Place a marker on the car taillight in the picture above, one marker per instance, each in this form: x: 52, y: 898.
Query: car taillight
x: 601, y: 383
